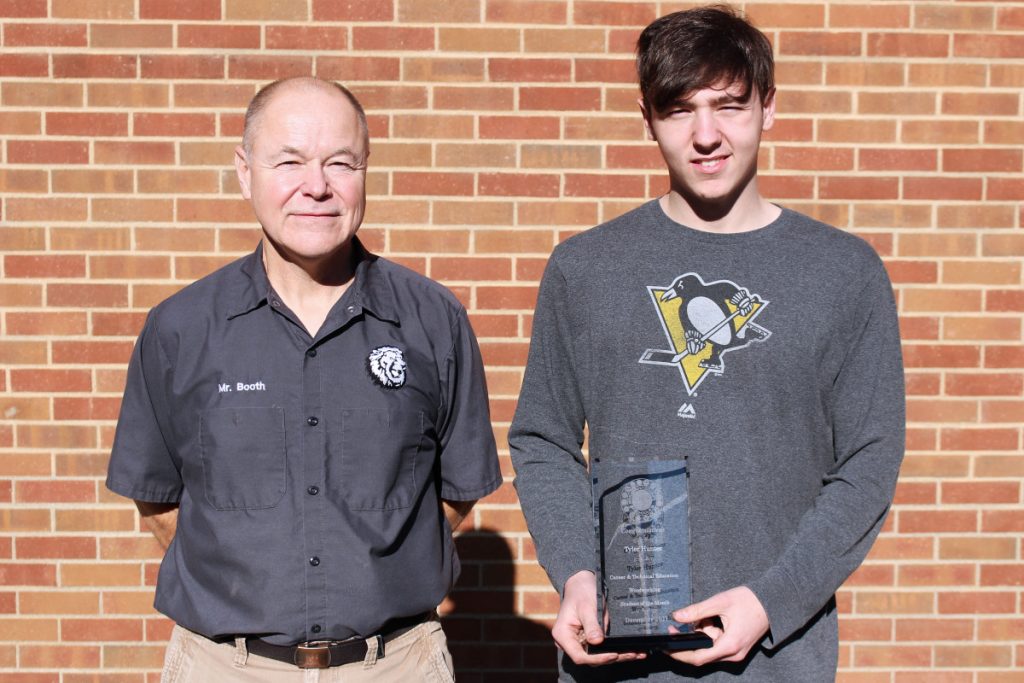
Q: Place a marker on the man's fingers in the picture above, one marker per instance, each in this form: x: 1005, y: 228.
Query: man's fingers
x: 701, y: 610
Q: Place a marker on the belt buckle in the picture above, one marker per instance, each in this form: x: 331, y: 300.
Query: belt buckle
x: 313, y: 654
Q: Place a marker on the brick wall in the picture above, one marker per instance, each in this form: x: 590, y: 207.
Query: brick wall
x: 500, y: 127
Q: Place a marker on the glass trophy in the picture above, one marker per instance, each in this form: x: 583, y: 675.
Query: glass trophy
x: 641, y: 517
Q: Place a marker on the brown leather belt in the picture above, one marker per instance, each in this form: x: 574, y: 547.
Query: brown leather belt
x: 323, y: 654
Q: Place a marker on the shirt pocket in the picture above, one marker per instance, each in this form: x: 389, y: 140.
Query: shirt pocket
x: 243, y: 453
x: 379, y: 449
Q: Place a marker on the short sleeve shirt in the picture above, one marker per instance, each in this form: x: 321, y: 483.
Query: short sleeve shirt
x: 309, y: 470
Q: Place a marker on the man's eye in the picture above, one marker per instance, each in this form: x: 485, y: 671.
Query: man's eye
x: 287, y: 162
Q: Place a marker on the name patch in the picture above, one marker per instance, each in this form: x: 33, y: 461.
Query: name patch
x: 225, y: 388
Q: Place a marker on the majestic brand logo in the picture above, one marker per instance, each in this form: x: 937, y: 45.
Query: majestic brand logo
x: 387, y: 365
x: 703, y: 321
x: 686, y: 410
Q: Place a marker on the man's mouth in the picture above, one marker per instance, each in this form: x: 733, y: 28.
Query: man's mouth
x: 710, y: 165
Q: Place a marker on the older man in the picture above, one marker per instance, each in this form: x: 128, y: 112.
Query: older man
x: 303, y: 429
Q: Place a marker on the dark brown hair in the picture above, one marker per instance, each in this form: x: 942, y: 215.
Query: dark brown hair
x: 698, y: 48
x: 266, y: 93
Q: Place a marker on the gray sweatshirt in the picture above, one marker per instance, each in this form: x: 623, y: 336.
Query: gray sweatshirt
x: 771, y: 361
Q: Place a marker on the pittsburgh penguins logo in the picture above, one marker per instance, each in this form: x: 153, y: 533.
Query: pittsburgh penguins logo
x: 704, y: 321
x: 387, y: 366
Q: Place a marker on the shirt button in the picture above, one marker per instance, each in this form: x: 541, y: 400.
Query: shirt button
x: 275, y: 303
x: 312, y: 421
x: 313, y: 490
x: 315, y: 561
x: 311, y: 353
x: 315, y: 628
x: 351, y: 309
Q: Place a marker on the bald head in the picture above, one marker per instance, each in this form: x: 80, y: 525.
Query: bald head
x: 282, y: 88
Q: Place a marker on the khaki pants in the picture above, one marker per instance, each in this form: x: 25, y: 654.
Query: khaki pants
x: 420, y: 654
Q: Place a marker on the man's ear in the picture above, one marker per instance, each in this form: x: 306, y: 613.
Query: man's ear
x: 647, y: 119
x: 243, y: 171
x: 769, y: 111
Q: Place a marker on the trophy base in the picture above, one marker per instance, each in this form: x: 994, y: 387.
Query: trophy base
x: 652, y: 643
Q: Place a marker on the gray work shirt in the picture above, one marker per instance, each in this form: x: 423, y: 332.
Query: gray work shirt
x: 308, y: 469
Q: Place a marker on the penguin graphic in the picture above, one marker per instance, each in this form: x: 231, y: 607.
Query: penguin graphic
x: 703, y: 321
x: 707, y: 317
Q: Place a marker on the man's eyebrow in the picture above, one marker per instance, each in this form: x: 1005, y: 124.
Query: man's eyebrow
x: 341, y: 151
x: 722, y: 98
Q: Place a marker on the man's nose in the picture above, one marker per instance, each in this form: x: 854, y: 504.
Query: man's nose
x: 706, y: 134
x: 314, y: 182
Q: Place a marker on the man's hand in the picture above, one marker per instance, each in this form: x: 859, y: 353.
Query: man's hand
x: 743, y: 624
x: 577, y: 625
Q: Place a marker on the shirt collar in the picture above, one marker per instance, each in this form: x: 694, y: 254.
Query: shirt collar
x: 371, y: 288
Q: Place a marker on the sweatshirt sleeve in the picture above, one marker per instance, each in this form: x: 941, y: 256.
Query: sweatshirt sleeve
x: 868, y: 414
x: 546, y: 437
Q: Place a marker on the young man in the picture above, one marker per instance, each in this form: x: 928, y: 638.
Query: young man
x: 303, y: 429
x: 712, y: 325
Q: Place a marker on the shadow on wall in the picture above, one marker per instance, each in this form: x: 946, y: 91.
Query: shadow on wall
x: 488, y: 640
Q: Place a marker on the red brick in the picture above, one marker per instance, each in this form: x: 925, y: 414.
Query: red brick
x: 86, y: 123
x: 874, y: 15
x: 268, y: 67
x: 432, y: 183
x: 980, y: 104
x: 814, y: 158
x: 1001, y: 521
x: 519, y: 127
x: 19, y: 123
x: 25, y: 574
x: 563, y: 98
x: 128, y: 95
x: 831, y: 43
x: 45, y: 35
x: 988, y: 384
x: 519, y: 185
x: 219, y: 35
x: 603, y: 185
x: 46, y: 323
x: 73, y: 630
x: 937, y: 131
x: 93, y: 9
x: 937, y: 521
x: 988, y: 45
x: 946, y: 356
x: 908, y: 44
x: 934, y: 629
x: 131, y: 35
x: 24, y: 66
x: 613, y: 13
x: 47, y: 152
x: 182, y: 66
x: 353, y: 10
x: 1002, y: 575
x: 307, y: 37
x: 87, y: 295
x: 25, y: 8
x: 982, y: 160
x: 55, y: 547
x: 50, y: 265
x: 831, y: 187
x: 943, y: 188
x: 426, y: 11
x: 119, y: 153
x: 984, y: 439
x: 180, y: 9
x: 358, y: 68
x: 93, y: 66
x: 528, y: 11
x: 976, y: 602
